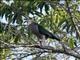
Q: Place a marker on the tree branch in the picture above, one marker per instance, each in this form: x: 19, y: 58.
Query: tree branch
x: 67, y: 52
x: 49, y: 49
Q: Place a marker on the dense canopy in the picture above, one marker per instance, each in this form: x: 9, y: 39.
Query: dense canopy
x: 60, y: 17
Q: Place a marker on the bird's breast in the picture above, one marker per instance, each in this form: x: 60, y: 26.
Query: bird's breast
x: 34, y: 29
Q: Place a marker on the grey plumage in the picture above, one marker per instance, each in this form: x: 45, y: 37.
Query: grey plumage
x: 39, y: 31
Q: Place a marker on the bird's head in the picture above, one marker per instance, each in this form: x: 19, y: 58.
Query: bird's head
x: 28, y: 20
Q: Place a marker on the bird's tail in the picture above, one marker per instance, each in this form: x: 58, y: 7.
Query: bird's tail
x: 55, y: 37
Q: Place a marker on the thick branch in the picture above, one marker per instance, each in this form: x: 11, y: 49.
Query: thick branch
x: 49, y: 49
x: 67, y: 52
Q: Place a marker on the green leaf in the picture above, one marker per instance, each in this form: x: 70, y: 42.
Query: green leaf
x: 1, y: 27
x: 17, y: 38
x: 46, y: 8
x: 38, y: 13
x: 61, y: 22
x: 71, y: 43
x: 41, y: 6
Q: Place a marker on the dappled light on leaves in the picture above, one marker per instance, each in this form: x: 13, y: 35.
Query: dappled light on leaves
x: 61, y: 18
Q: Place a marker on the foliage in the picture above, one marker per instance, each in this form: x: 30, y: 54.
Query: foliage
x: 60, y: 18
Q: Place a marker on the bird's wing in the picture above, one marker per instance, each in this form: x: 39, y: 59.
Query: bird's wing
x: 46, y: 33
x: 43, y: 30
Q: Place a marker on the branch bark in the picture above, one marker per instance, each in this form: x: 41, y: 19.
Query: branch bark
x: 47, y: 49
x: 67, y: 52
